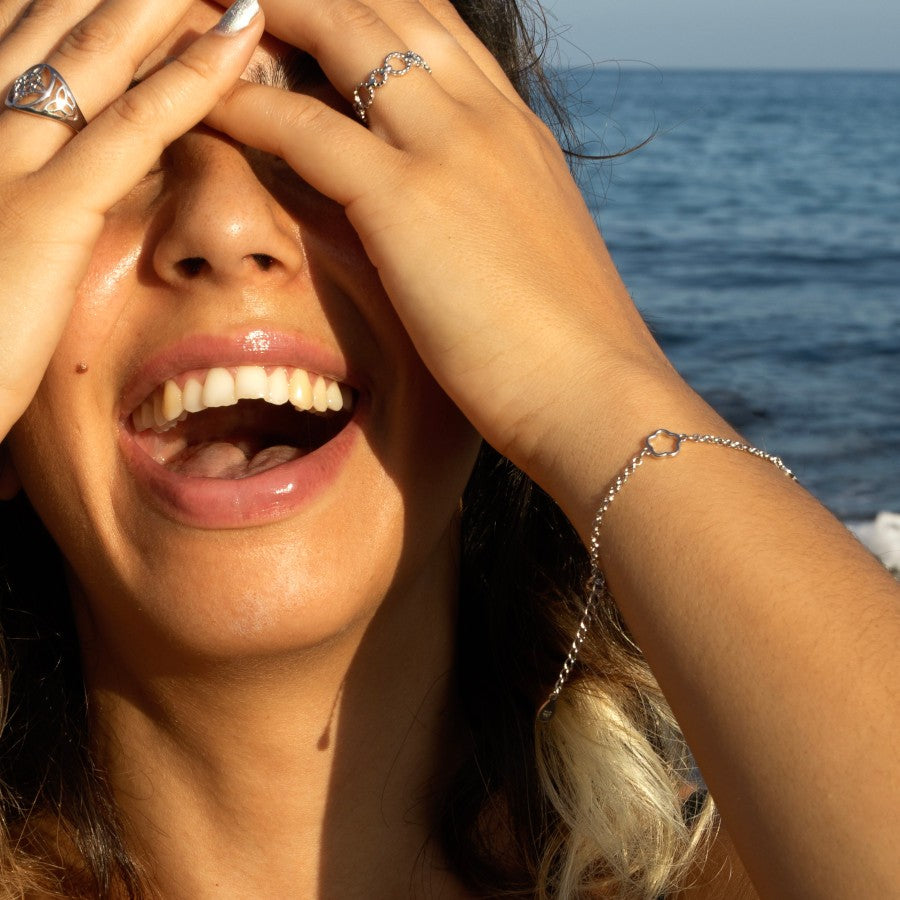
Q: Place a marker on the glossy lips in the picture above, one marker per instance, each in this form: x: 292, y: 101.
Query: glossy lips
x: 225, y: 446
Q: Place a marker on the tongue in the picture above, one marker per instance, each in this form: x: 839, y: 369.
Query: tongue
x: 220, y: 459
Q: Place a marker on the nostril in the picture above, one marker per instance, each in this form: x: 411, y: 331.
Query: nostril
x: 191, y: 266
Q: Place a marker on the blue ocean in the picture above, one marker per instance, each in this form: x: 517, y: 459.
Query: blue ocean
x: 759, y: 233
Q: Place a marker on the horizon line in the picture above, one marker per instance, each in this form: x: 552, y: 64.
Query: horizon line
x: 730, y: 67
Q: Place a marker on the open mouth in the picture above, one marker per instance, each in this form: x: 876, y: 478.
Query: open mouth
x: 231, y: 423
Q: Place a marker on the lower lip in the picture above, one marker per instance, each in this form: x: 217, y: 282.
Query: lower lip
x: 235, y: 503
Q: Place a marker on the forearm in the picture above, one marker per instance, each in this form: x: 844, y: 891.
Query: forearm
x: 772, y: 632
x: 732, y: 578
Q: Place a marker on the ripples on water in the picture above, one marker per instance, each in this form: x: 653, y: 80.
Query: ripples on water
x: 759, y: 233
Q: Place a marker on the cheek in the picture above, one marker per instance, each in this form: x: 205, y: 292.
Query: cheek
x: 40, y: 448
x: 89, y: 337
x: 75, y: 392
x: 101, y: 299
x: 59, y: 442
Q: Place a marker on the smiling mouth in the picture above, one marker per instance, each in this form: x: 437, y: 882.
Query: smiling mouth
x: 232, y: 423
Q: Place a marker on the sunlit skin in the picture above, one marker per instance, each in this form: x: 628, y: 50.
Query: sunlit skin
x: 208, y: 199
x: 271, y: 682
x: 168, y: 612
x: 330, y: 295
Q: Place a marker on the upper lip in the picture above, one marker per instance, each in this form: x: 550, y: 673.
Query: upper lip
x: 244, y: 347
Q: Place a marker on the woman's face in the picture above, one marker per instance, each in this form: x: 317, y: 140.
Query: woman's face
x: 251, y: 527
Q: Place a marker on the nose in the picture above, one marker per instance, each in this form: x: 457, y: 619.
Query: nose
x: 219, y: 222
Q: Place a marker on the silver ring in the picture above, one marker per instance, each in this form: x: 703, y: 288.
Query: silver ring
x: 364, y: 95
x: 42, y: 91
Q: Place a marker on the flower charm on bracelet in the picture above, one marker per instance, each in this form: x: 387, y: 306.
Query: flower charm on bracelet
x: 672, y: 451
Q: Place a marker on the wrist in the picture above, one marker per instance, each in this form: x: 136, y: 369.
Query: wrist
x: 575, y: 450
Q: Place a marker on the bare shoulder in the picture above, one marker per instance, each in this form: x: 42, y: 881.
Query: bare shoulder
x: 721, y: 877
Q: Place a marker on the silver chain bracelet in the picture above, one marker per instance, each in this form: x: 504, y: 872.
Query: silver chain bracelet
x: 597, y: 588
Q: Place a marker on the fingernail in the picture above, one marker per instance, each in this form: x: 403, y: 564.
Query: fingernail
x: 238, y: 16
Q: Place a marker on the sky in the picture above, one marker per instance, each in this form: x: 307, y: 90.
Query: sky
x: 782, y: 34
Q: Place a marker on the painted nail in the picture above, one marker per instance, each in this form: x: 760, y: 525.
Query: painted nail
x: 238, y: 16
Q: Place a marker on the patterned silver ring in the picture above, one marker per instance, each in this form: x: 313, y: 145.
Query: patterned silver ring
x: 364, y: 94
x: 42, y: 91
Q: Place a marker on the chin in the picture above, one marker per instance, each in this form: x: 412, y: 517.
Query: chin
x: 252, y: 609
x: 171, y: 567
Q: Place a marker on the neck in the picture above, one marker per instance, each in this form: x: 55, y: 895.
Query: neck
x: 311, y: 775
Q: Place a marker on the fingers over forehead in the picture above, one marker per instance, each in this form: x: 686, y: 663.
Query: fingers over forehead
x: 342, y: 35
x: 96, y: 58
x: 364, y: 28
x: 328, y: 150
x: 23, y: 23
x: 446, y: 13
x: 40, y: 13
x: 352, y: 41
x: 97, y: 47
x: 121, y: 144
x: 9, y: 14
x: 419, y: 15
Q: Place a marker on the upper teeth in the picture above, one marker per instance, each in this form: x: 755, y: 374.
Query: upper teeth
x: 170, y: 403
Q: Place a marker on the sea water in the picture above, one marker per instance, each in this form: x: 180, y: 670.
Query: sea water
x: 759, y: 233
